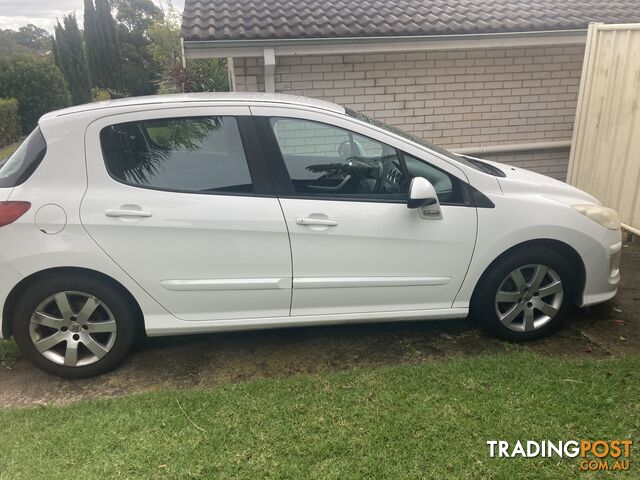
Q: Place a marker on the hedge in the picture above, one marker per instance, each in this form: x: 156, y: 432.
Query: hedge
x: 9, y: 121
x: 36, y: 83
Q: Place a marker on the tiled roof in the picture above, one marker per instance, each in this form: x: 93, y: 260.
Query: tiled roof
x: 282, y: 19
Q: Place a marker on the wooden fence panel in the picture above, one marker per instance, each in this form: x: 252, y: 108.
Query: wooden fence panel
x: 605, y: 151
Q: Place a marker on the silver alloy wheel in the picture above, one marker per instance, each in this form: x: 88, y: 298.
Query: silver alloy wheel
x: 73, y: 329
x: 529, y: 297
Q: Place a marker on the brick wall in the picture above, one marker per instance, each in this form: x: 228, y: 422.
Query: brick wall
x: 553, y: 163
x: 455, y: 98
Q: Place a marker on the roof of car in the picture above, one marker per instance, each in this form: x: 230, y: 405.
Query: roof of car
x: 254, y: 98
x: 296, y: 19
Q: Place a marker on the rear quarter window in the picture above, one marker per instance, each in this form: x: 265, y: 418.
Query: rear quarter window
x: 24, y: 161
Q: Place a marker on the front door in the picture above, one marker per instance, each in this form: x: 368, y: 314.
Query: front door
x: 174, y: 200
x: 356, y: 246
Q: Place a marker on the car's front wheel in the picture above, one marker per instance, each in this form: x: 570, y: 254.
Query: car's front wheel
x: 74, y: 326
x: 525, y: 295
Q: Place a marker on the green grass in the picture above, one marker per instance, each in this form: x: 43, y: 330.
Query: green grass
x: 8, y: 355
x: 430, y: 420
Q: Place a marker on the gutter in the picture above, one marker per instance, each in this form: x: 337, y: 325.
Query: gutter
x: 337, y: 45
x: 277, y: 42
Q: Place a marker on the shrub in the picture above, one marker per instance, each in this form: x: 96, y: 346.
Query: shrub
x: 9, y: 121
x: 99, y: 95
x: 210, y: 75
x: 36, y: 83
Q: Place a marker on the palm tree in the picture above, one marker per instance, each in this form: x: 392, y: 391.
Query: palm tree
x: 208, y: 75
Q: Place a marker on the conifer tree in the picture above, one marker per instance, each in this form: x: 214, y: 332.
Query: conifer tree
x: 103, y: 46
x: 70, y: 58
x: 89, y: 39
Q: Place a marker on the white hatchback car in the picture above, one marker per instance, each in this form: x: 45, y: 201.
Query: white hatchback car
x: 218, y: 212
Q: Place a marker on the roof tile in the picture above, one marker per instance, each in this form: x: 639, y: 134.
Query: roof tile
x: 282, y: 19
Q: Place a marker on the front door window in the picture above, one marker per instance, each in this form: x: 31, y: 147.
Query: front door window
x: 327, y: 161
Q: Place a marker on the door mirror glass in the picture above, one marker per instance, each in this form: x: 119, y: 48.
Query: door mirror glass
x: 421, y: 193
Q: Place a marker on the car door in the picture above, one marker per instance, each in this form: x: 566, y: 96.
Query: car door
x: 356, y: 246
x: 178, y: 200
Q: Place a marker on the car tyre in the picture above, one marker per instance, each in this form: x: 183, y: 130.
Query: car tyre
x: 524, y: 295
x: 74, y: 326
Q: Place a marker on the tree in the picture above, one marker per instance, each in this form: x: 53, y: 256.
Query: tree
x: 164, y: 37
x: 27, y: 39
x: 34, y: 38
x: 36, y: 83
x: 90, y: 39
x: 137, y: 15
x: 70, y: 58
x: 8, y: 44
x: 110, y: 45
x: 103, y: 46
x: 210, y: 75
x: 140, y: 70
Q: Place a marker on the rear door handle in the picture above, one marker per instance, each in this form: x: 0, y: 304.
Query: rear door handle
x: 128, y: 213
x: 316, y: 221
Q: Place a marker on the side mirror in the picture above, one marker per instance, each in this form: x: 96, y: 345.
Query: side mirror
x: 423, y: 196
x: 421, y: 193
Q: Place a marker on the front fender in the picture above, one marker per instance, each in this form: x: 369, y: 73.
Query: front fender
x: 519, y: 219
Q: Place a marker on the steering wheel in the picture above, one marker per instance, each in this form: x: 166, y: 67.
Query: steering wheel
x: 384, y: 167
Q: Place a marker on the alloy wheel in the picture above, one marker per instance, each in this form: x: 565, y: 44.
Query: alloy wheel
x: 73, y: 329
x: 529, y: 298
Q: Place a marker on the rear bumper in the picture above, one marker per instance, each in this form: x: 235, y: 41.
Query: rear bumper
x: 9, y: 278
x: 602, y: 268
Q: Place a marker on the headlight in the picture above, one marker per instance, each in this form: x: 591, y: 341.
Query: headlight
x: 607, y: 217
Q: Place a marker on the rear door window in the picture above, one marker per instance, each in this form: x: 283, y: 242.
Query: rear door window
x: 187, y: 154
x: 24, y: 161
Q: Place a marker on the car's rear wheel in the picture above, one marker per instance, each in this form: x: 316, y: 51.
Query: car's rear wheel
x: 74, y: 326
x: 525, y: 295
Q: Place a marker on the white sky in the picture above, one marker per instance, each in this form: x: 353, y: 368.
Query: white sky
x: 43, y: 13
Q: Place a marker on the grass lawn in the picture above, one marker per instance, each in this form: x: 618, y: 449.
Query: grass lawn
x: 429, y: 420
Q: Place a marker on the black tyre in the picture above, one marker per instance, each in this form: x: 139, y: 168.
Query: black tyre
x: 74, y: 326
x: 525, y: 295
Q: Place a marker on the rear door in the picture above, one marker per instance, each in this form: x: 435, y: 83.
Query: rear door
x: 177, y: 199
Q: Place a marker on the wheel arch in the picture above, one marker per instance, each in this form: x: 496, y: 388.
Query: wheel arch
x: 564, y: 249
x: 13, y: 297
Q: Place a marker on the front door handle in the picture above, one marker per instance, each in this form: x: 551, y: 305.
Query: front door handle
x: 128, y: 213
x: 325, y: 222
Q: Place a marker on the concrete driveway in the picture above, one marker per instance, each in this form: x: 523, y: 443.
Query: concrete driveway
x: 207, y: 360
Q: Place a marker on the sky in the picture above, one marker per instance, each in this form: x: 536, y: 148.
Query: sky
x: 43, y: 13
